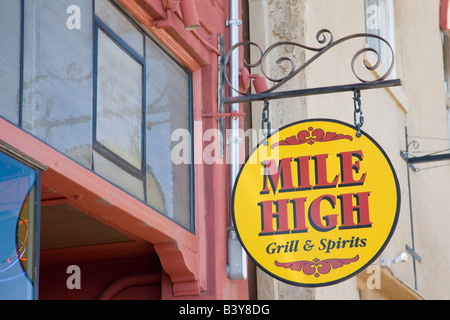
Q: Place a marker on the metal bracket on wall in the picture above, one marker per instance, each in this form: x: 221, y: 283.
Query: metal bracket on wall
x: 233, y: 115
x: 326, y: 42
x: 430, y: 156
x: 423, y: 159
x: 325, y: 38
x: 410, y: 160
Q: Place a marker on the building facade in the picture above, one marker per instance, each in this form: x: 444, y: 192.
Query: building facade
x: 103, y: 196
x: 409, y: 121
x: 117, y: 159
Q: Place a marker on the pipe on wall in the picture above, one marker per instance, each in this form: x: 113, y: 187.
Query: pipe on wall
x: 237, y: 258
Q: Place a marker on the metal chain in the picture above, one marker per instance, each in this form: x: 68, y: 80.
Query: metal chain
x: 266, y: 122
x: 358, y: 114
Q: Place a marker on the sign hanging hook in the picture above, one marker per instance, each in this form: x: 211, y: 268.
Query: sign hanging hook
x: 358, y: 113
x: 266, y: 122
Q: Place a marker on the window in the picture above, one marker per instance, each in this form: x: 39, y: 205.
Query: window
x: 168, y: 109
x: 18, y: 237
x: 142, y: 96
x: 380, y: 21
x: 446, y: 54
x: 119, y: 92
x: 104, y: 94
x: 57, y: 84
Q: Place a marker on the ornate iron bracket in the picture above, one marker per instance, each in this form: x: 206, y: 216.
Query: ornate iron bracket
x: 325, y: 38
x: 326, y: 41
x: 434, y: 156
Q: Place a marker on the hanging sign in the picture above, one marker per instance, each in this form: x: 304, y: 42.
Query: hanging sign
x: 315, y: 204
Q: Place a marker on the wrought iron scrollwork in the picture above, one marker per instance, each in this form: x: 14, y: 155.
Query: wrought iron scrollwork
x: 325, y: 38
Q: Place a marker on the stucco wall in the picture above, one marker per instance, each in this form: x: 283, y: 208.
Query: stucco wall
x: 419, y: 105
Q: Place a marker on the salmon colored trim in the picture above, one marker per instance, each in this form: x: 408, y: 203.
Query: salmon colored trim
x: 197, y: 51
x: 445, y: 14
x: 95, y: 196
x: 182, y: 43
x: 184, y: 284
x: 193, y: 50
x: 199, y: 179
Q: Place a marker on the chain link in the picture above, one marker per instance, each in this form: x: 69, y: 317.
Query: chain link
x: 358, y: 113
x: 265, y: 123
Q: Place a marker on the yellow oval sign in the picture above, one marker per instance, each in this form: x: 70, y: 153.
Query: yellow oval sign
x: 316, y: 205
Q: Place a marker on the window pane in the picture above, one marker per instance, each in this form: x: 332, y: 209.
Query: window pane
x: 17, y: 229
x: 10, y: 21
x: 119, y: 101
x: 446, y: 50
x: 168, y: 109
x: 118, y: 177
x: 120, y: 24
x: 58, y: 87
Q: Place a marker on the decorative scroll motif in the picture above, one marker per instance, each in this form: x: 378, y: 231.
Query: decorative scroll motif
x: 310, y: 137
x: 316, y: 267
x: 325, y: 38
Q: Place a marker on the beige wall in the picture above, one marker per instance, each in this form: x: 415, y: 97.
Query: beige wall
x: 418, y: 105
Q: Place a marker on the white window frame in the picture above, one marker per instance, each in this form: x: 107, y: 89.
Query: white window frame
x: 379, y: 20
x: 446, y: 56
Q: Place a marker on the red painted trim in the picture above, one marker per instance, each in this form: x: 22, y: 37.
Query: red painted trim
x: 199, y: 179
x: 192, y: 49
x: 90, y: 193
x: 170, y: 254
x: 445, y: 14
